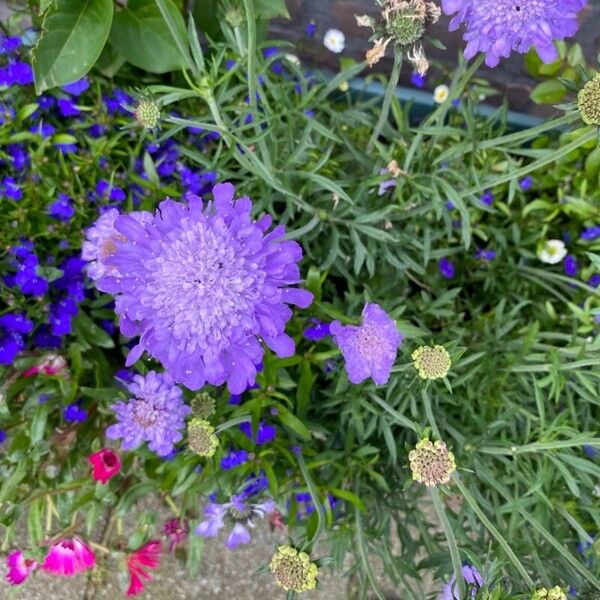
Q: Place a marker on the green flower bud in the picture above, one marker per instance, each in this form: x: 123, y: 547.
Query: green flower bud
x: 432, y: 362
x: 293, y: 570
x: 147, y: 114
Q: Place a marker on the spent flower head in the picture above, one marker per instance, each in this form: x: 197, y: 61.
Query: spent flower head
x: 588, y: 102
x: 431, y: 463
x: 201, y: 437
x: 203, y: 405
x: 432, y: 362
x: 293, y: 569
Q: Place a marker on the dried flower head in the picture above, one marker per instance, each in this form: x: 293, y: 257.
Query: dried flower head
x: 432, y: 362
x: 293, y: 570
x: 588, y: 101
x: 203, y: 405
x: 201, y: 437
x: 431, y: 463
x: 376, y: 53
x: 147, y: 113
x: 554, y: 593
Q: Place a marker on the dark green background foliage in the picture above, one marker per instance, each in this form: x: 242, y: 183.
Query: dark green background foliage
x: 520, y: 401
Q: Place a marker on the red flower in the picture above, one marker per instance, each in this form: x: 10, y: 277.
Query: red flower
x: 105, y: 464
x: 52, y: 364
x: 177, y: 531
x: 146, y: 556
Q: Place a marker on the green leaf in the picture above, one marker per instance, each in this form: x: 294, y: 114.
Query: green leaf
x: 140, y: 36
x: 548, y: 92
x: 292, y: 421
x: 34, y: 521
x: 206, y: 17
x: 74, y: 33
x: 305, y: 384
x: 271, y: 9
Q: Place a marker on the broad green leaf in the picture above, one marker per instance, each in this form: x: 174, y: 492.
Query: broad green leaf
x: 74, y: 33
x: 271, y: 9
x: 139, y: 34
x: 206, y: 17
x: 548, y: 92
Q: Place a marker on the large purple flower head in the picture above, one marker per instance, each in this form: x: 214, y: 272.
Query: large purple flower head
x: 370, y: 348
x: 499, y: 27
x: 156, y: 414
x: 203, y: 285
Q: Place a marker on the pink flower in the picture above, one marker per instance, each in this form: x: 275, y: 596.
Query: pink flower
x: 68, y: 557
x: 53, y: 364
x: 19, y: 567
x: 105, y: 464
x: 177, y: 531
x: 146, y: 556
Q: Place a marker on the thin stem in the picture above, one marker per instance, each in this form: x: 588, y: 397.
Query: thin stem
x: 314, y: 493
x: 387, y: 99
x: 452, y: 545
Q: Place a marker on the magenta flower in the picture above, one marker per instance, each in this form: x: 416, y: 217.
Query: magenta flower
x: 105, y: 464
x: 156, y: 414
x: 68, y: 557
x: 370, y: 348
x: 204, y: 285
x: 499, y: 27
x: 19, y: 567
x: 240, y: 511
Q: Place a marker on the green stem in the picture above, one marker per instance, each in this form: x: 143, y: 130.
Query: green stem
x: 314, y: 494
x: 406, y: 422
x: 231, y: 423
x: 387, y: 99
x: 452, y: 545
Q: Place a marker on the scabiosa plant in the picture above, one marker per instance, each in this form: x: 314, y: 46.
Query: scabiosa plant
x: 431, y: 463
x: 155, y: 414
x: 201, y: 437
x: 293, y: 570
x: 432, y: 362
x: 241, y: 511
x: 499, y: 27
x: 147, y: 113
x: 588, y: 102
x: 370, y: 348
x: 203, y: 286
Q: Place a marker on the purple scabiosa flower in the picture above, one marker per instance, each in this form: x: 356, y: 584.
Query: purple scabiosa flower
x: 526, y: 183
x: 67, y: 108
x: 61, y: 209
x: 317, y: 331
x: 102, y: 240
x: 233, y: 459
x: 77, y: 87
x: 570, y: 265
x: 75, y: 413
x: 486, y: 255
x: 471, y: 576
x: 446, y: 268
x: 10, y: 188
x: 266, y: 433
x: 155, y: 414
x: 203, y: 285
x: 418, y: 80
x: 240, y: 512
x: 487, y: 198
x: 499, y: 27
x: 591, y: 233
x: 370, y: 348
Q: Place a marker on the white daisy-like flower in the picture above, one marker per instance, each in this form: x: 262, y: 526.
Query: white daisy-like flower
x: 441, y: 93
x: 334, y: 41
x: 552, y: 252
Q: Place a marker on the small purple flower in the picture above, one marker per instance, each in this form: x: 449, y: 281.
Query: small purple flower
x: 266, y: 433
x: 370, y: 348
x: 499, y: 27
x: 447, y: 268
x: 203, y: 285
x: 3, y: 436
x: 19, y: 156
x: 310, y: 29
x: 10, y: 188
x: 526, y: 183
x: 233, y: 459
x: 11, y: 344
x: 18, y: 73
x: 418, y: 80
x: 16, y: 322
x: 486, y: 255
x: 45, y: 130
x: 105, y: 190
x: 590, y: 450
x: 594, y: 280
x: 62, y: 209
x: 317, y: 331
x: 156, y: 414
x: 75, y: 413
x: 591, y: 233
x: 67, y: 108
x: 229, y: 64
x: 471, y: 576
x: 570, y: 265
x: 450, y: 205
x: 487, y: 198
x: 77, y: 87
x: 66, y: 148
x: 42, y: 338
x: 256, y: 484
x: 240, y: 512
